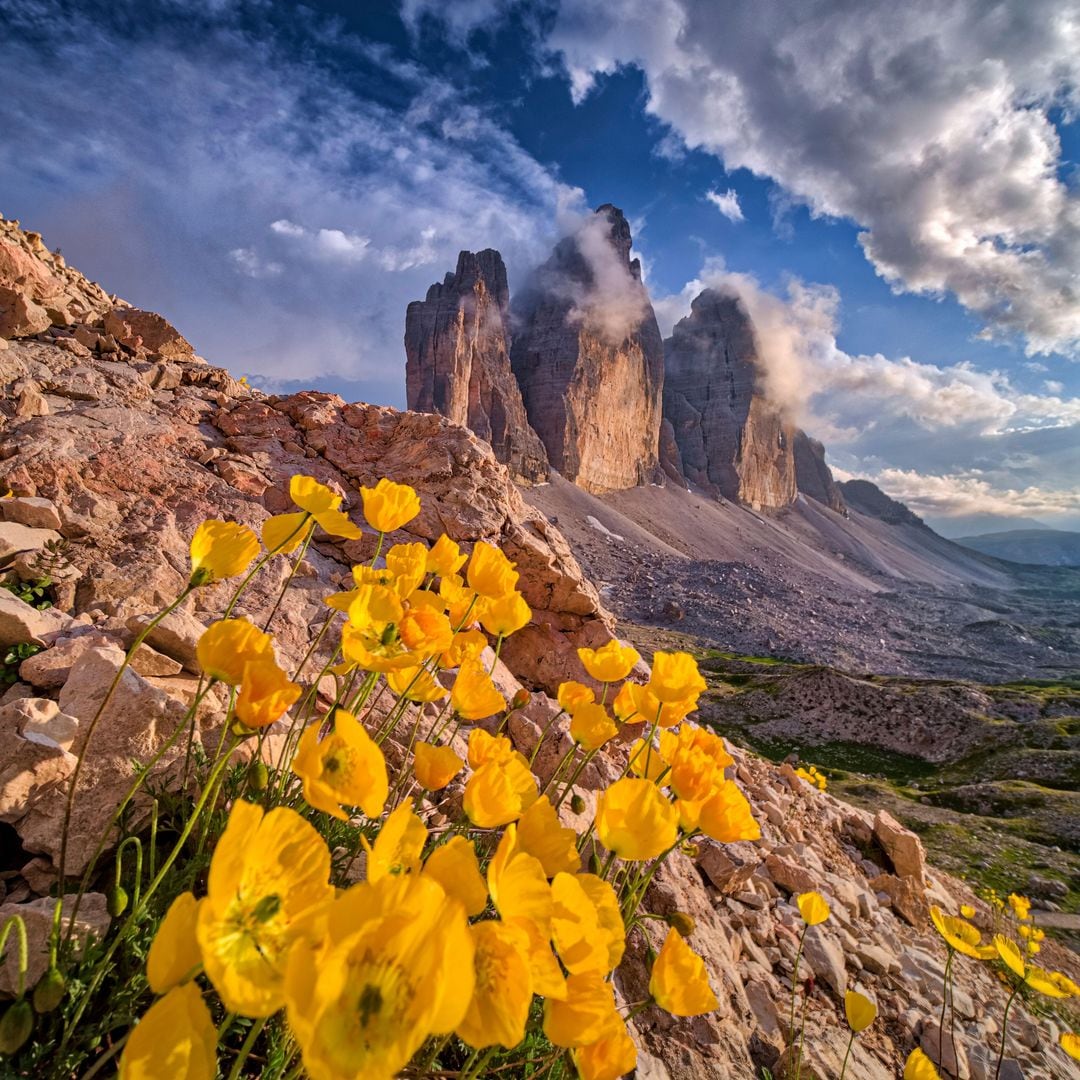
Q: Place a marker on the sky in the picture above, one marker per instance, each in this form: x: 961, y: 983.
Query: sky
x: 893, y: 189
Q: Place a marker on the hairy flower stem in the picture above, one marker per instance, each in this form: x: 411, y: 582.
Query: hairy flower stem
x: 16, y: 921
x: 138, y: 910
x: 581, y: 765
x: 73, y: 784
x: 289, y: 580
x: 258, y: 566
x: 946, y: 986
x: 802, y: 1032
x: 543, y: 735
x: 794, y: 985
x: 850, y: 1043
x: 238, y: 1065
x: 1005, y: 1030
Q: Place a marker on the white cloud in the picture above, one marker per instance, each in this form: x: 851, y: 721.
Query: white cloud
x: 927, y: 123
x: 280, y: 219
x: 1052, y: 386
x: 727, y: 203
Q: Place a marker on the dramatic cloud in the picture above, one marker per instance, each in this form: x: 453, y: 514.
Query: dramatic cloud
x: 927, y: 123
x: 727, y: 203
x: 280, y: 213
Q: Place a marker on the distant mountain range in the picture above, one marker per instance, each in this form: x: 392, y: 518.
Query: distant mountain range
x: 1041, y: 546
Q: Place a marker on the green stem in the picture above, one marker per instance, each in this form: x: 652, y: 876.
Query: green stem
x: 794, y: 984
x: 580, y: 768
x: 1005, y: 1030
x: 945, y: 986
x: 289, y: 580
x: 16, y: 921
x: 802, y: 1032
x: 850, y: 1043
x: 256, y: 1030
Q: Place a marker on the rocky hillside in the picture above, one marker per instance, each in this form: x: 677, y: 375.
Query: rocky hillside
x: 117, y: 440
x: 1046, y: 547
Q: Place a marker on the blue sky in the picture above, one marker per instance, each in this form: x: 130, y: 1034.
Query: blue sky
x: 893, y: 190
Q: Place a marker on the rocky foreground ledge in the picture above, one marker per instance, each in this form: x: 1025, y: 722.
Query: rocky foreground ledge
x: 116, y: 441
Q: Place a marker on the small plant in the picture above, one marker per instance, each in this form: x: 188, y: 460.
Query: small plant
x: 37, y: 593
x: 14, y: 655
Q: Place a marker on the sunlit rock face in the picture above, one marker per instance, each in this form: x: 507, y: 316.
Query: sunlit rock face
x: 589, y: 359
x: 731, y: 438
x: 458, y: 361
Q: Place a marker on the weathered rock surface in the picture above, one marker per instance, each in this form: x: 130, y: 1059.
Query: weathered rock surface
x: 869, y: 499
x: 813, y: 477
x: 731, y: 438
x: 458, y: 361
x: 589, y: 359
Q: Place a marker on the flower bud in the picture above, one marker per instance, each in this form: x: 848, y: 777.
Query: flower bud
x: 49, y: 991
x: 258, y: 777
x: 520, y: 699
x: 680, y: 921
x: 116, y: 901
x: 15, y: 1026
x: 577, y: 803
x: 690, y: 849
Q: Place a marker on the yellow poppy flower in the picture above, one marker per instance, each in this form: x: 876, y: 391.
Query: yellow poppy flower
x: 227, y: 645
x: 426, y: 598
x: 586, y: 924
x: 337, y: 523
x: 1045, y: 983
x: 675, y: 677
x: 634, y: 820
x: 415, y: 684
x: 919, y: 1067
x: 311, y: 496
x: 860, y: 1011
x: 591, y: 726
x: 694, y: 774
x: 646, y: 760
x: 611, y: 662
x: 425, y: 631
x: 455, y: 867
x: 967, y: 911
x: 490, y: 572
x: 960, y: 935
x: 499, y: 792
x: 346, y: 768
x: 1021, y: 906
x: 267, y: 874
x: 607, y: 1058
x: 572, y: 694
x: 460, y: 602
x: 689, y: 814
x: 679, y: 983
x: 393, y: 967
x: 503, y: 615
x: 398, y: 845
x: 484, y: 748
x: 221, y: 549
x: 389, y: 506
x: 407, y: 563
x: 547, y: 976
x: 1010, y: 955
x: 518, y: 886
x: 473, y: 695
x: 467, y: 645
x: 174, y: 952
x: 500, y: 1003
x: 265, y: 693
x: 541, y: 834
x: 586, y: 1015
x: 638, y: 703
x: 444, y: 557
x: 726, y: 815
x: 1070, y: 1043
x: 435, y: 766
x: 175, y: 1040
x: 284, y: 533
x: 813, y: 907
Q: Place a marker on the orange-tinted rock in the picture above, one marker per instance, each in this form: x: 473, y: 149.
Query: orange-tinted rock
x: 458, y: 361
x: 590, y: 361
x: 143, y: 329
x: 732, y: 439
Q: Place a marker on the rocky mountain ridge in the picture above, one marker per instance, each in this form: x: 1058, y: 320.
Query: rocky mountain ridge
x: 614, y: 406
x: 115, y: 449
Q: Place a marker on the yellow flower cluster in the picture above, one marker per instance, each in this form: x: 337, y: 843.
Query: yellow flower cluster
x: 812, y: 776
x: 471, y: 903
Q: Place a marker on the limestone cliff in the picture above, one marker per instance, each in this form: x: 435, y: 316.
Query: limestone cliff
x: 458, y: 363
x: 731, y: 438
x: 813, y: 477
x: 589, y: 359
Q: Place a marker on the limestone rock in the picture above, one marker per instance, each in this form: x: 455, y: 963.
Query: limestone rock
x: 946, y: 1049
x: 590, y: 361
x: 458, y: 361
x: 20, y: 316
x: 176, y: 636
x: 29, y: 769
x: 813, y: 477
x: 19, y: 622
x: 143, y: 329
x: 32, y: 512
x: 826, y: 958
x: 15, y: 538
x: 731, y: 438
x: 867, y: 498
x: 92, y: 920
x: 907, y: 897
x: 903, y: 847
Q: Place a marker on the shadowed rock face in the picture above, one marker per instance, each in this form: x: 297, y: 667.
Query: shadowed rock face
x: 867, y: 498
x: 813, y: 477
x: 458, y: 363
x: 731, y: 438
x: 589, y: 359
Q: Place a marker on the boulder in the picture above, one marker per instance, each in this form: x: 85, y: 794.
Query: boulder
x: 901, y: 845
x: 907, y: 896
x: 33, y: 512
x: 30, y: 769
x: 20, y: 623
x: 176, y: 636
x: 137, y: 329
x: 15, y: 538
